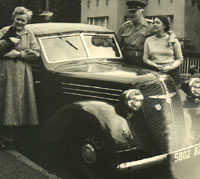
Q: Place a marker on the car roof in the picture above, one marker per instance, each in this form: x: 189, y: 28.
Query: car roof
x: 56, y: 28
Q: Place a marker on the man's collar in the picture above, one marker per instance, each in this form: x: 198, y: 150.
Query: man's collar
x: 141, y: 24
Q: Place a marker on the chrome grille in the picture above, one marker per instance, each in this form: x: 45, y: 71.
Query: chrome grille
x: 90, y: 91
x: 162, y: 121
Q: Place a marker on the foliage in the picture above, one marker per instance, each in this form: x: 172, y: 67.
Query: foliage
x: 7, y: 7
x: 196, y: 2
x: 63, y: 10
x: 66, y: 10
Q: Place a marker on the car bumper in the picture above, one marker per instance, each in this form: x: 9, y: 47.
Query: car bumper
x: 176, y: 157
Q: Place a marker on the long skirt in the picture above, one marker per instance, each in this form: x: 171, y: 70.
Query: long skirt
x: 17, y: 97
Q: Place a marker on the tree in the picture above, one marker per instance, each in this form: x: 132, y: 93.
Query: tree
x: 66, y: 10
x: 196, y: 2
x: 7, y: 7
x: 63, y: 10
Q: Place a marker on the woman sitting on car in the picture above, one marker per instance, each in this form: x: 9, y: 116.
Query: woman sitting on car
x: 160, y: 54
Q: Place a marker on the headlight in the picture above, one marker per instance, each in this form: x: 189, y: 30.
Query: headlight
x: 194, y: 85
x: 133, y: 99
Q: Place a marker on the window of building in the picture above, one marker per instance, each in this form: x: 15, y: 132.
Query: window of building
x: 97, y: 2
x: 100, y: 21
x: 88, y: 4
x: 107, y: 2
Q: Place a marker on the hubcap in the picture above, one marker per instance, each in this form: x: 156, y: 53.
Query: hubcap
x: 88, y: 153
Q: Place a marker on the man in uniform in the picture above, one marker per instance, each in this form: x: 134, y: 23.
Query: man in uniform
x: 132, y: 34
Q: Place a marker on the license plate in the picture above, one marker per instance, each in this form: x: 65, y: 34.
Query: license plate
x: 186, y: 153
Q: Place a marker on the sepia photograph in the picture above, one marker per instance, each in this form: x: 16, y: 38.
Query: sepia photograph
x: 99, y: 89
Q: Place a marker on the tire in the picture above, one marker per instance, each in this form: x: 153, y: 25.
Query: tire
x: 85, y: 156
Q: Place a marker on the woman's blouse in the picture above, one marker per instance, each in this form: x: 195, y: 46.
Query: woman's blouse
x: 160, y: 51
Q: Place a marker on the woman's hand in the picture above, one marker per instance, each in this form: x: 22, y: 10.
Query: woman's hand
x: 15, y: 40
x: 12, y: 54
x: 168, y: 68
x: 159, y: 67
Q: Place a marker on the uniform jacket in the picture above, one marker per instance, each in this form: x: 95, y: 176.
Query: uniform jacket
x: 132, y: 38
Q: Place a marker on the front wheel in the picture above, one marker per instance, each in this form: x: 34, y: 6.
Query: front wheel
x: 87, y: 155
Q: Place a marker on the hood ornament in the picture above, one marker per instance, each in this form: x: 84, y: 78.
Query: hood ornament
x: 167, y: 97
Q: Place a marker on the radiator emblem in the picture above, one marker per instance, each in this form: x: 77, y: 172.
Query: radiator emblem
x: 167, y: 97
x: 158, y: 107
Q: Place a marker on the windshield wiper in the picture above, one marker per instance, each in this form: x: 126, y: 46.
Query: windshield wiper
x: 71, y: 44
x: 67, y: 41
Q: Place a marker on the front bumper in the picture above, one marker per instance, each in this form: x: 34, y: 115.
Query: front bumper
x: 176, y: 157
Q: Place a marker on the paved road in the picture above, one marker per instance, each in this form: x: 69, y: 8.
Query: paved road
x: 54, y: 163
x: 15, y: 166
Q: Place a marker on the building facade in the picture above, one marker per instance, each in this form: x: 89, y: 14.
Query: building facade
x: 184, y: 16
x: 103, y: 12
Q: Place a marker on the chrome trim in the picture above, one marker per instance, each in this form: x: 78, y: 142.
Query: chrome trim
x: 81, y: 34
x: 95, y: 87
x: 132, y: 166
x: 97, y: 92
x: 120, y: 52
x: 88, y: 153
x: 168, y: 97
x: 91, y: 96
x: 139, y: 164
x: 85, y: 45
x: 168, y: 100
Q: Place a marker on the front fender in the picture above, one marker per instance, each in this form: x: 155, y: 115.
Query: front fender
x: 113, y: 126
x: 191, y: 109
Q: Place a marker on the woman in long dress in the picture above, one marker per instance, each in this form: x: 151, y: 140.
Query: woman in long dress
x: 17, y: 98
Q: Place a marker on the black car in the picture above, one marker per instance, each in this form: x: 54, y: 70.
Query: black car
x: 110, y: 117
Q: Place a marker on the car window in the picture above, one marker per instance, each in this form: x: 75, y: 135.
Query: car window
x: 101, y: 46
x: 63, y: 47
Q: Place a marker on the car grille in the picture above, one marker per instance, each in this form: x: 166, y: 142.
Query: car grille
x: 163, y: 118
x: 91, y: 91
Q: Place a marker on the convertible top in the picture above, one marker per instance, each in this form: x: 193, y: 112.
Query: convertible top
x: 56, y: 28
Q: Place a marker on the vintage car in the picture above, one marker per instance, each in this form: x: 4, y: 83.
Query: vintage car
x: 109, y: 116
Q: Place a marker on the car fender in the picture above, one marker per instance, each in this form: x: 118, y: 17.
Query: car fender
x: 191, y: 109
x: 114, y: 128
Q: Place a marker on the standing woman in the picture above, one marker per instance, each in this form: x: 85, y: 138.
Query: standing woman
x: 162, y: 54
x: 18, y: 105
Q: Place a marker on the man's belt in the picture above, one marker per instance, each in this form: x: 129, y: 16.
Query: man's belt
x: 133, y: 53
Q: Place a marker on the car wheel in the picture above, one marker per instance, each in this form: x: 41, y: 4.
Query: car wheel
x: 85, y: 154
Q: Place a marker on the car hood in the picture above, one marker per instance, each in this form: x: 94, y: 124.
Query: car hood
x: 107, y: 71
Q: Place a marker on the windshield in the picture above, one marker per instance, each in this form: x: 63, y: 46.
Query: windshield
x: 63, y: 48
x: 66, y: 48
x: 101, y: 46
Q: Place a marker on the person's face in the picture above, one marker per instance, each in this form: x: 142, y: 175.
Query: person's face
x: 136, y: 15
x: 158, y: 25
x: 20, y: 21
